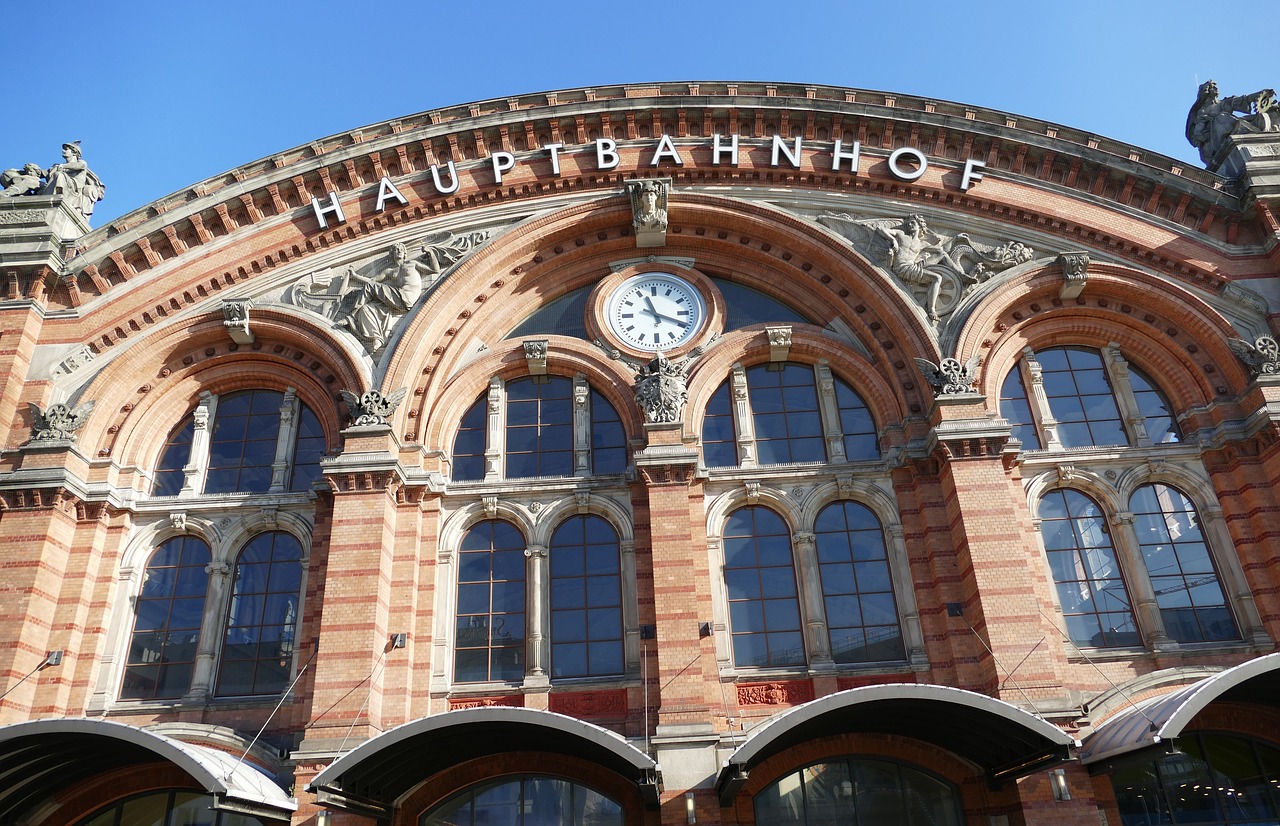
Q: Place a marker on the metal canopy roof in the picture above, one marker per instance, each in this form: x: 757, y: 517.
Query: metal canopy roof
x: 1001, y: 738
x: 1163, y: 718
x: 42, y: 757
x: 371, y: 777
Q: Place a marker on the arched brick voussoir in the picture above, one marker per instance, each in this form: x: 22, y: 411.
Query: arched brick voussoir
x: 887, y: 399
x: 142, y: 393
x: 565, y: 357
x: 1172, y: 335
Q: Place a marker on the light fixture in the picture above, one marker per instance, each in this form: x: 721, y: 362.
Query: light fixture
x: 324, y: 817
x: 690, y: 811
x: 1058, y: 778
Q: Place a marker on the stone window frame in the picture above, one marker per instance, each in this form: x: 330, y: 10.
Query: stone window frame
x: 1111, y: 485
x: 829, y: 410
x: 800, y: 519
x: 1118, y: 373
x: 536, y: 511
x: 227, y: 531
x: 204, y: 415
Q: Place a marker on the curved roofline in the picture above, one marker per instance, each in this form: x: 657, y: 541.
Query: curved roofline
x: 766, y: 734
x: 1206, y: 691
x: 218, y: 772
x: 604, y: 738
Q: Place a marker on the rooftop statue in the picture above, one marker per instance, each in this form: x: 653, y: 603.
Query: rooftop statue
x: 72, y: 179
x: 1212, y: 119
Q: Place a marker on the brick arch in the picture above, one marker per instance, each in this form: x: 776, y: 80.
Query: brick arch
x: 750, y: 347
x: 565, y: 357
x: 143, y: 394
x: 1172, y: 335
x: 552, y: 254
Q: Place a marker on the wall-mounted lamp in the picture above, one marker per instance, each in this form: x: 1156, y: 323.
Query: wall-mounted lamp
x: 53, y: 658
x: 398, y: 640
x: 324, y: 818
x: 1058, y: 778
x: 690, y: 811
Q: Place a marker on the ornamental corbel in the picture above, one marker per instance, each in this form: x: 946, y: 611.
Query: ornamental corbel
x: 779, y: 342
x: 178, y: 521
x: 1075, y: 274
x: 753, y: 491
x: 490, y: 504
x: 235, y: 312
x: 535, y: 356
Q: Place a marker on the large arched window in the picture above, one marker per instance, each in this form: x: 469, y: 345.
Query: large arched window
x: 1091, y: 589
x: 858, y: 790
x: 551, y: 426
x: 793, y: 413
x: 166, y: 625
x: 262, y: 619
x: 857, y: 588
x: 489, y: 641
x: 1091, y: 397
x: 1190, y: 597
x: 526, y: 800
x: 586, y: 599
x: 760, y: 583
x: 251, y: 441
x: 173, y: 807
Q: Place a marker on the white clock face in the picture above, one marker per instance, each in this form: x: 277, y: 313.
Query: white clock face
x: 655, y: 311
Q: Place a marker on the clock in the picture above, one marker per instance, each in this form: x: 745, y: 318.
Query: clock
x: 655, y: 311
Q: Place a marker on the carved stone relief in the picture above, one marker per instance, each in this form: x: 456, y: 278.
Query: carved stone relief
x: 372, y: 408
x: 1262, y: 357
x: 950, y: 378
x: 649, y: 210
x: 72, y: 180
x: 59, y: 422
x: 1213, y: 119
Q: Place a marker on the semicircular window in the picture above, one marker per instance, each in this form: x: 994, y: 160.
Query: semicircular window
x: 855, y: 790
x: 170, y: 806
x: 527, y: 800
x: 749, y: 306
x: 563, y: 316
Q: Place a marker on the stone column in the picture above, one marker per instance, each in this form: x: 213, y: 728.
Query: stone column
x: 829, y: 407
x: 285, y: 441
x: 1118, y: 370
x: 581, y: 426
x: 1231, y: 576
x: 742, y: 420
x: 804, y: 545
x: 495, y: 425
x: 198, y: 462
x: 1039, y: 401
x: 211, y: 631
x: 1146, y: 611
x: 537, y: 600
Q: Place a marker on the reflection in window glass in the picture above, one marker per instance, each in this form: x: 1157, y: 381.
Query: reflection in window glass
x: 858, y: 791
x: 856, y: 424
x: 608, y: 439
x: 173, y: 458
x: 1192, y: 603
x: 257, y: 651
x: 167, y: 808
x: 1090, y: 586
x: 489, y: 632
x: 242, y: 446
x: 528, y: 800
x: 1080, y: 397
x: 760, y: 580
x: 586, y: 599
x: 784, y: 409
x: 308, y: 451
x: 1155, y: 411
x: 1015, y: 409
x: 166, y: 626
x: 719, y: 447
x: 468, y: 445
x: 857, y: 591
x: 539, y: 427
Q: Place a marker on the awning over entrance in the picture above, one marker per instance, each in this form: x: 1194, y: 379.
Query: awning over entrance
x: 371, y: 777
x: 43, y: 757
x: 1003, y: 739
x: 1158, y: 720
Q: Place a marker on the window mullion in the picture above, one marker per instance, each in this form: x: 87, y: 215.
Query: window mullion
x: 537, y: 598
x: 1231, y: 577
x: 804, y: 544
x: 630, y: 608
x: 829, y: 409
x: 905, y: 595
x: 193, y: 475
x: 581, y: 425
x: 746, y: 428
x: 495, y: 437
x: 1130, y: 413
x: 211, y: 632
x: 1039, y: 400
x: 284, y: 441
x: 1146, y: 610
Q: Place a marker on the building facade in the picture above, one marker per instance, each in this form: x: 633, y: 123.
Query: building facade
x: 686, y: 453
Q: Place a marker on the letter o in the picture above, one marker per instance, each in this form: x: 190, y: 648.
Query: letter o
x: 915, y: 155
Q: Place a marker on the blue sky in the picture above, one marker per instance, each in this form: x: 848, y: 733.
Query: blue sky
x: 165, y: 94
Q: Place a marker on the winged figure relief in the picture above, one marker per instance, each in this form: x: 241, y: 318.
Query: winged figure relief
x: 950, y: 377
x: 372, y: 408
x: 1262, y: 356
x: 58, y: 422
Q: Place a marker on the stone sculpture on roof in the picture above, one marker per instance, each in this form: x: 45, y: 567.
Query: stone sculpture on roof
x: 1213, y: 119
x: 72, y: 179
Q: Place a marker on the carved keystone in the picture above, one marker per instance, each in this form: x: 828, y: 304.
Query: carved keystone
x: 649, y: 210
x: 779, y: 342
x: 235, y: 311
x: 535, y: 356
x: 1075, y: 274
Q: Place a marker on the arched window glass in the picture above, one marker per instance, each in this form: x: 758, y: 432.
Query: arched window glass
x: 1090, y: 585
x: 166, y: 625
x: 857, y: 425
x: 539, y: 427
x: 857, y: 590
x: 308, y: 451
x: 173, y: 459
x: 527, y: 800
x: 1155, y: 411
x: 242, y: 447
x: 175, y: 807
x: 719, y: 446
x: 1214, y: 778
x: 857, y: 790
x: 490, y: 609
x: 257, y: 651
x: 760, y: 582
x: 1015, y: 409
x: 1192, y: 603
x: 784, y: 407
x: 1081, y: 398
x: 468, y: 445
x: 586, y: 599
x: 608, y: 439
